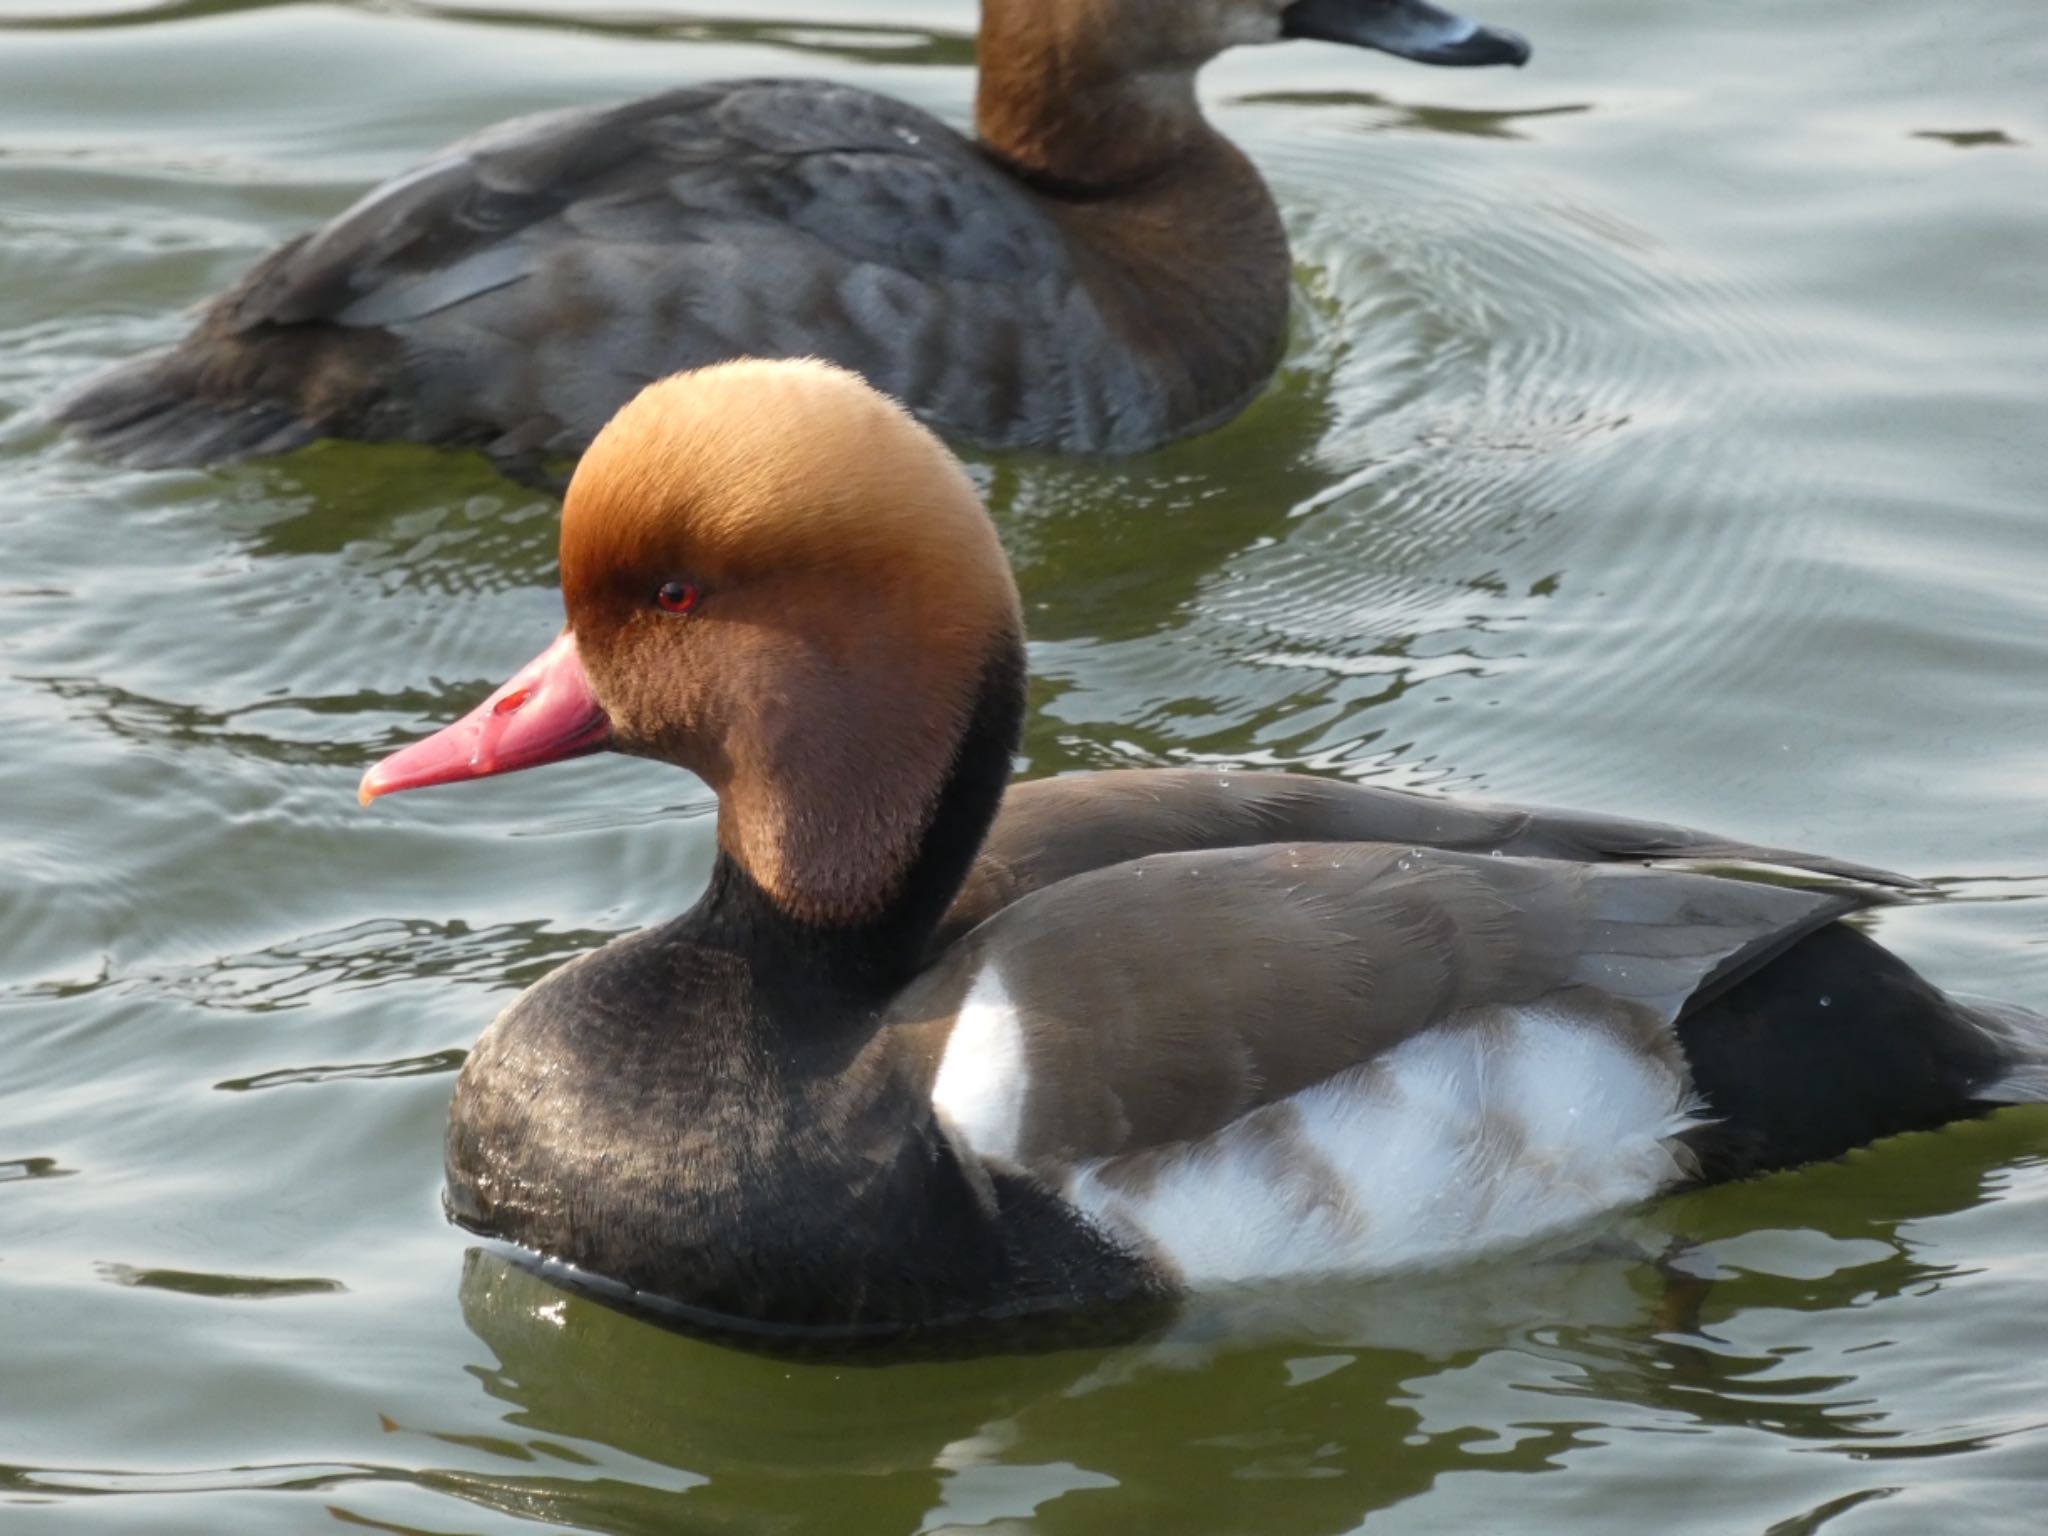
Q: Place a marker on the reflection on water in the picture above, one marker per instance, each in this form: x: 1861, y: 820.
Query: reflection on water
x: 848, y: 40
x: 1971, y: 138
x: 32, y: 1168
x: 1659, y: 432
x: 225, y: 1287
x: 406, y: 518
x: 312, y: 969
x: 431, y: 1064
x: 1386, y: 114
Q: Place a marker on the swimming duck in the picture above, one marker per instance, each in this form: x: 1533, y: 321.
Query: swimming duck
x: 1096, y: 271
x: 934, y: 1047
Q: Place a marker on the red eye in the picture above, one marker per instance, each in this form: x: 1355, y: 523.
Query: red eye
x: 677, y: 597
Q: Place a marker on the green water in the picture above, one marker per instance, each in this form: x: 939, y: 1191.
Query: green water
x: 1666, y: 431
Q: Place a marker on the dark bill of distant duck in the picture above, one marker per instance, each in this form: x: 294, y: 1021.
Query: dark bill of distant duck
x: 1413, y: 29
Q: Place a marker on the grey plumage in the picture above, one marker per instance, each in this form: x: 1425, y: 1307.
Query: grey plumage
x: 514, y: 291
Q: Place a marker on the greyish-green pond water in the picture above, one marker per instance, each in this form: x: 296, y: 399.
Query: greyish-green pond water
x: 1665, y: 430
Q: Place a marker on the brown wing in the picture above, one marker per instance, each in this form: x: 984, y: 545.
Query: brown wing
x: 1160, y: 998
x: 1053, y: 829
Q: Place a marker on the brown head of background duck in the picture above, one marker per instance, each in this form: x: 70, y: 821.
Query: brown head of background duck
x: 934, y: 1049
x: 1097, y: 270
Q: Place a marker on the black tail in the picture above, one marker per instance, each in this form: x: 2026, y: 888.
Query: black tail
x: 153, y: 414
x: 1838, y: 1042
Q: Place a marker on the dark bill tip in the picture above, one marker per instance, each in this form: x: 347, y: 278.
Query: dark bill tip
x: 1410, y: 29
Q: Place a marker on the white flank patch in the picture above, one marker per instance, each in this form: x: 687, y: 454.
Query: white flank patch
x: 982, y: 1077
x: 1457, y: 1141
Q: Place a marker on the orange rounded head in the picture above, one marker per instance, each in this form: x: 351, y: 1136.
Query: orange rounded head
x: 779, y: 580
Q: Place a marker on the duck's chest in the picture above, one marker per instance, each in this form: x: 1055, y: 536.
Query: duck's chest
x: 699, y: 1164
x: 665, y: 1161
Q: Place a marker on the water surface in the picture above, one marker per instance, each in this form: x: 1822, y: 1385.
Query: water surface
x: 1663, y: 432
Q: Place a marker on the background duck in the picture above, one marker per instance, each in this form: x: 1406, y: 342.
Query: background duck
x: 1097, y: 270
x: 932, y: 1048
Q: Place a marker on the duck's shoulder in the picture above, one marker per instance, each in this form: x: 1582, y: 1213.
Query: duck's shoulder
x: 847, y: 164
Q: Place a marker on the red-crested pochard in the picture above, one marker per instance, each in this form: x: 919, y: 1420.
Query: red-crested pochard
x: 933, y: 1047
x: 1097, y: 270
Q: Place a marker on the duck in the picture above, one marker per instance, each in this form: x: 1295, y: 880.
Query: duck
x: 934, y: 1049
x: 1095, y: 271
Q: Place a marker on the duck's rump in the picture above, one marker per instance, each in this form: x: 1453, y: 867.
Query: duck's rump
x: 514, y: 291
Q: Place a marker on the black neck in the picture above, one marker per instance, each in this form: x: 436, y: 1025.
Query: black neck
x: 873, y: 958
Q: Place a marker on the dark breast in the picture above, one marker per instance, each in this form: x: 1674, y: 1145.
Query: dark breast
x: 765, y: 1179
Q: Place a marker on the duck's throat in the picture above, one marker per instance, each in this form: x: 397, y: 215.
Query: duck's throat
x: 867, y: 826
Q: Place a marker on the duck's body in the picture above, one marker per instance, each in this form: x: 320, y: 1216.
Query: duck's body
x: 1271, y: 1061
x: 934, y: 1049
x: 1097, y: 271
x: 515, y: 292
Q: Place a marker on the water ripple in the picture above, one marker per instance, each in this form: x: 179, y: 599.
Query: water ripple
x: 301, y: 972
